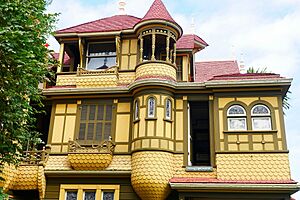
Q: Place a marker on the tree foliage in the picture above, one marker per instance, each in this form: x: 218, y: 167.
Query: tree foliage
x: 285, y: 102
x: 24, y: 59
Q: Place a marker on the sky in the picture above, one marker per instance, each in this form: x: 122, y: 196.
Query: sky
x: 262, y: 33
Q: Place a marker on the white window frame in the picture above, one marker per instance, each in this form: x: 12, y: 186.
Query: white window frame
x: 136, y: 110
x: 149, y: 108
x: 236, y: 117
x: 168, y: 110
x: 261, y: 116
x: 64, y: 188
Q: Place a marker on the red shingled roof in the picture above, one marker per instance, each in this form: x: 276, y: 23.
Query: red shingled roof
x: 114, y: 23
x: 250, y: 76
x: 188, y: 42
x: 213, y: 180
x: 67, y: 60
x: 207, y: 70
x: 158, y: 11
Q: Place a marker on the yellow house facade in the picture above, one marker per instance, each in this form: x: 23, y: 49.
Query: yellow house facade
x: 132, y: 115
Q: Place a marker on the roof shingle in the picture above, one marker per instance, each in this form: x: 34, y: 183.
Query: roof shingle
x: 158, y: 11
x: 188, y: 41
x: 114, y: 23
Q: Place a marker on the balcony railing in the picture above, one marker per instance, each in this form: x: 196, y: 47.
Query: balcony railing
x: 38, y: 157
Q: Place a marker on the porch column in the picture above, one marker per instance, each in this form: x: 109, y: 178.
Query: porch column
x: 141, y: 48
x: 153, y: 46
x: 168, y: 48
x: 61, y: 57
x: 174, y: 61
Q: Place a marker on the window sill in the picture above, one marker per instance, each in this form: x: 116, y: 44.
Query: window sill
x: 250, y: 131
x: 150, y: 118
x: 199, y: 169
x: 168, y: 120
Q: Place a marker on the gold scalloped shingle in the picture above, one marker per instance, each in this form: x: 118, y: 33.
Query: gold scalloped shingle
x: 151, y: 172
x: 253, y: 167
x: 91, y: 161
x: 59, y: 162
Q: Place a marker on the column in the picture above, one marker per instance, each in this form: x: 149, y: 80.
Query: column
x: 153, y: 45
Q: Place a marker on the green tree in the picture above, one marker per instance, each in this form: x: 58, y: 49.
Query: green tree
x: 285, y: 102
x: 24, y: 60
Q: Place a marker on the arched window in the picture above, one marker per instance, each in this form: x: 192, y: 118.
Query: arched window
x: 151, y: 107
x: 136, y: 110
x: 168, y: 109
x: 261, y: 117
x: 236, y: 116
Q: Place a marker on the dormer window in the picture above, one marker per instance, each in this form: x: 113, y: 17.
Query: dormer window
x: 101, y: 55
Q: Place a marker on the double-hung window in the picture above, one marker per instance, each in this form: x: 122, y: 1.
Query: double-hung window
x: 95, y: 122
x: 101, y: 55
x: 237, y: 120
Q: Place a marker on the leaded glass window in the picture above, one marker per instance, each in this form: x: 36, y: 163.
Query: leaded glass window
x: 108, y: 196
x: 168, y: 109
x: 71, y: 195
x: 136, y: 110
x: 95, y: 122
x: 236, y: 116
x: 261, y: 119
x: 90, y: 195
x: 151, y: 107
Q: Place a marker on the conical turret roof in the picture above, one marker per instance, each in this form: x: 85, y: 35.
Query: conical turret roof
x: 158, y: 11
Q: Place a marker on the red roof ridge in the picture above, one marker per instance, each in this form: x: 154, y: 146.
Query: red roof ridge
x: 158, y: 11
x: 97, y: 20
x: 214, y: 61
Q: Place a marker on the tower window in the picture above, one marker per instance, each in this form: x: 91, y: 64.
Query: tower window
x: 168, y: 109
x: 151, y: 107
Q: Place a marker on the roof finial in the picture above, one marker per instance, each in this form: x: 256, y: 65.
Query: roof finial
x: 193, y: 26
x: 242, y: 64
x: 122, y: 5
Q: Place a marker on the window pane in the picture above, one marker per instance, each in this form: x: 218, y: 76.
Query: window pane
x: 71, y: 196
x: 168, y: 109
x: 237, y: 124
x: 92, y: 112
x: 89, y: 195
x: 151, y: 107
x: 108, y: 196
x: 261, y: 123
x: 136, y: 110
x: 82, y: 131
x: 83, y: 112
x: 101, y: 63
x: 90, y: 133
x: 98, y: 49
x: 236, y: 110
x: 260, y: 110
x: 108, y: 112
x: 100, y: 112
x: 107, y: 130
x: 99, y: 131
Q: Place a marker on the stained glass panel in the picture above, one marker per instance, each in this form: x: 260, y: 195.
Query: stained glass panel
x: 71, y: 195
x: 151, y: 107
x: 108, y: 196
x: 260, y: 110
x: 136, y: 110
x: 236, y: 110
x: 89, y: 195
x: 168, y: 109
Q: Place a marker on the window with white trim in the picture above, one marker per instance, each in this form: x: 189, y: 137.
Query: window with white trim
x: 261, y: 117
x: 89, y: 192
x: 136, y: 110
x: 168, y: 109
x: 151, y: 107
x: 237, y: 119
